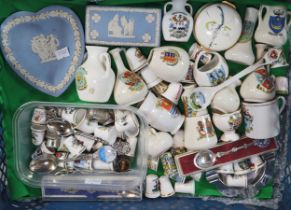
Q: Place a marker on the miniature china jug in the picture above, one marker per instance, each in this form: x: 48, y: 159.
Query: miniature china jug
x: 177, y: 23
x: 129, y: 87
x: 95, y: 78
x: 272, y: 25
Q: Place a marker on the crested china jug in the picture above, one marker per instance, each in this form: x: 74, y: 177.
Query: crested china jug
x: 129, y: 87
x: 272, y: 25
x: 95, y: 78
x: 177, y: 23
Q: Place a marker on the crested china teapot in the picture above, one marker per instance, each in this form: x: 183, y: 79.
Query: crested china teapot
x: 177, y: 23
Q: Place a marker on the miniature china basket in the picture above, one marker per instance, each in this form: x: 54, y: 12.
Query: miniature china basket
x: 177, y: 23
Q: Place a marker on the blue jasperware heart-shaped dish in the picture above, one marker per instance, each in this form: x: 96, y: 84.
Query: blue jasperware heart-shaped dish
x: 44, y: 48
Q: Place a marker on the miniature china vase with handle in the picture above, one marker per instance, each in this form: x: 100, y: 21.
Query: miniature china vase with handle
x: 129, y: 87
x: 177, y: 23
x: 95, y: 78
x: 272, y: 25
x: 242, y: 51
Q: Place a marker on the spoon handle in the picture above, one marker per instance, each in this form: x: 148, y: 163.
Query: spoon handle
x: 266, y: 59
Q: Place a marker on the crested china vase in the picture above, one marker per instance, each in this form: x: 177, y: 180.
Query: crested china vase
x: 272, y: 25
x: 95, y: 78
x: 177, y: 23
x: 242, y: 51
x: 129, y: 87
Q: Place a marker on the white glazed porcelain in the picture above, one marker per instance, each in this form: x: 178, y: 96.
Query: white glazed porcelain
x: 188, y: 187
x: 199, y: 132
x: 169, y: 63
x: 189, y: 111
x: 157, y: 142
x: 95, y: 78
x: 227, y: 100
x: 236, y: 181
x: 126, y: 122
x: 149, y: 77
x: 82, y: 123
x: 166, y: 187
x: 228, y: 123
x: 108, y: 134
x: 261, y: 49
x: 129, y: 87
x: 242, y: 51
x: 177, y: 23
x: 178, y: 139
x: 38, y: 133
x: 161, y: 114
x: 261, y: 120
x: 68, y: 114
x: 272, y: 25
x: 152, y: 186
x: 73, y: 146
x: 259, y: 86
x: 213, y: 72
x: 217, y: 26
x: 170, y: 91
x: 39, y: 116
x: 135, y: 59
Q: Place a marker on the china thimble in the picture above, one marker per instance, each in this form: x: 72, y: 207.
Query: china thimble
x: 152, y: 186
x: 188, y: 187
x: 39, y: 116
x: 166, y: 187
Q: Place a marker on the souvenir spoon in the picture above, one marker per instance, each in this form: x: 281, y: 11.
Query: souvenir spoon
x: 202, y: 96
x: 43, y: 164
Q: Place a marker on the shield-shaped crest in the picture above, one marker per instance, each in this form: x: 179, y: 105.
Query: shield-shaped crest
x: 276, y: 23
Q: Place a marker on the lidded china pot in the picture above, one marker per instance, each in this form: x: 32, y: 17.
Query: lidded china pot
x: 177, y: 23
x: 217, y: 26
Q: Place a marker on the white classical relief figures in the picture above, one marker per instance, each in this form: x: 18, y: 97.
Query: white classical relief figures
x: 45, y: 47
x: 125, y: 30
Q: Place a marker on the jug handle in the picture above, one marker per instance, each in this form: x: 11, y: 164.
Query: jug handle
x: 260, y: 13
x: 166, y: 5
x: 190, y: 8
x: 283, y: 103
x: 105, y: 57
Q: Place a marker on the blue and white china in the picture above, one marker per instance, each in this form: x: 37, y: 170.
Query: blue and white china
x: 44, y: 48
x: 123, y: 26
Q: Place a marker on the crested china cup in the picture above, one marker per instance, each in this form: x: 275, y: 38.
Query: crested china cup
x: 272, y: 25
x: 213, y: 72
x: 95, y: 78
x: 129, y: 87
x: 199, y: 132
x: 161, y: 114
x: 217, y: 26
x: 169, y: 63
x: 228, y: 123
x: 177, y: 23
x: 227, y: 100
x: 259, y: 86
x: 261, y: 120
x: 242, y: 51
x: 157, y: 142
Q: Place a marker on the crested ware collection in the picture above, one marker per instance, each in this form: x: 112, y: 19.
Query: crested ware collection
x: 192, y: 111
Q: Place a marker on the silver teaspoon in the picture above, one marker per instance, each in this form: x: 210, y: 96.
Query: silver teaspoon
x: 43, y: 164
x: 202, y: 96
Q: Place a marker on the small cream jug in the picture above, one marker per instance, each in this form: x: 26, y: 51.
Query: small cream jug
x: 129, y: 87
x: 177, y: 23
x: 272, y: 27
x: 95, y: 78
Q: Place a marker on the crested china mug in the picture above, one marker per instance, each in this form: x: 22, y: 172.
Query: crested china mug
x: 261, y: 120
x: 169, y: 63
x: 95, y: 78
x: 213, y: 72
x: 272, y: 25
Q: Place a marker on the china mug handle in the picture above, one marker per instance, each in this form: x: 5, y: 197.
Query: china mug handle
x: 106, y: 61
x: 283, y: 103
x: 166, y: 5
x: 190, y: 8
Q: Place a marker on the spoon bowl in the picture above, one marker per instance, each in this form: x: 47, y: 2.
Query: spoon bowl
x: 43, y: 164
